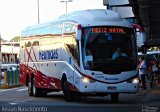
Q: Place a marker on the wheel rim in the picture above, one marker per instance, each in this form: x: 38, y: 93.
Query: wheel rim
x: 34, y: 88
x: 29, y: 87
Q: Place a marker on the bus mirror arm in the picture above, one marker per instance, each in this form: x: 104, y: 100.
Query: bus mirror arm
x: 79, y: 34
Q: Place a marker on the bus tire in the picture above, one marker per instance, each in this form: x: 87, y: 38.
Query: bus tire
x: 42, y: 92
x: 115, y: 97
x: 68, y: 94
x: 30, y: 87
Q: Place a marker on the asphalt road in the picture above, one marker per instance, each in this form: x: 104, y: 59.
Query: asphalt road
x: 17, y: 99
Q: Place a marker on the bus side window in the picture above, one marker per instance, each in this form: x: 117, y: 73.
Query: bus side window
x: 72, y: 46
x: 76, y: 51
x: 28, y: 44
x: 35, y: 43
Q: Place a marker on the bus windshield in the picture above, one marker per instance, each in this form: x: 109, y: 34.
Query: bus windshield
x: 109, y: 49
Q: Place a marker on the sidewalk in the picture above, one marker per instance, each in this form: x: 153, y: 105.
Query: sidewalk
x: 149, y: 89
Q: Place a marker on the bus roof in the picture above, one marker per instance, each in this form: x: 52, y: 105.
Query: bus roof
x: 95, y: 17
x: 92, y: 17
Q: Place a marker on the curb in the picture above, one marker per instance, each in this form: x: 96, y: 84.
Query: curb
x: 8, y: 87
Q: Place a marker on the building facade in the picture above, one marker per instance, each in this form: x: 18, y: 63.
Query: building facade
x: 10, y: 52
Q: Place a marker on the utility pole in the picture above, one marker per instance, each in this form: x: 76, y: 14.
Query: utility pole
x: 66, y: 1
x: 38, y: 11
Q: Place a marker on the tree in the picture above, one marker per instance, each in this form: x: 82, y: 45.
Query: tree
x: 15, y: 39
x: 2, y: 40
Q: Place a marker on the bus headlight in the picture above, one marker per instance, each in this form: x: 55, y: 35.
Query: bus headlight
x: 135, y: 80
x: 87, y: 80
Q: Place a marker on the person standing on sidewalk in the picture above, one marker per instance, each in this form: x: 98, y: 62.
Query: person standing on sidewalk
x: 156, y: 72
x: 143, y: 71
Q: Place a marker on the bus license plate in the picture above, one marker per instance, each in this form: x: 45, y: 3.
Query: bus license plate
x: 112, y: 88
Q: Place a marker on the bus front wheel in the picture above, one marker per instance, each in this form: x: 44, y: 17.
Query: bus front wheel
x: 68, y: 94
x: 115, y: 97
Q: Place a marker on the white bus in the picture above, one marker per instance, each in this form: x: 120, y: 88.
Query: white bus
x: 74, y: 54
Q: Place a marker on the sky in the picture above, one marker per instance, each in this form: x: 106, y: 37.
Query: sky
x: 18, y: 14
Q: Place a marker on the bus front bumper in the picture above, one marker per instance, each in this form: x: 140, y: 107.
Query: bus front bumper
x: 99, y: 87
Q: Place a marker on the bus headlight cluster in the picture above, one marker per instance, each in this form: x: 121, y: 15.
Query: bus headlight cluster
x: 87, y: 80
x: 135, y: 80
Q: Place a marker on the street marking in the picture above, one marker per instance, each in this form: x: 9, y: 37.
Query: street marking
x: 22, y: 89
x: 19, y: 101
x: 13, y: 103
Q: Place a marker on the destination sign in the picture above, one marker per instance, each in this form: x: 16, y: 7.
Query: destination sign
x: 107, y: 30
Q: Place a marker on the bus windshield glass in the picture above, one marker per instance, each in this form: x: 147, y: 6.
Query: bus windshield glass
x: 109, y: 49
